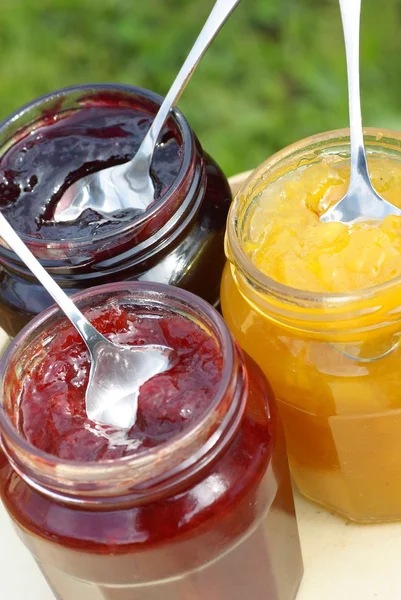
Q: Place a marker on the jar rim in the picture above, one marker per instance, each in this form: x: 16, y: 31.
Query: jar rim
x: 183, y: 127
x: 266, y: 284
x: 115, y: 470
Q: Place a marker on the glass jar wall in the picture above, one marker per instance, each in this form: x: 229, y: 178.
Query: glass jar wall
x: 178, y: 240
x: 207, y: 514
x: 332, y: 358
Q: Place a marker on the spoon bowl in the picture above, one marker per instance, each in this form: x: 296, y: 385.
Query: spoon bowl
x: 130, y: 186
x: 117, y: 371
x: 111, y: 190
x: 361, y: 200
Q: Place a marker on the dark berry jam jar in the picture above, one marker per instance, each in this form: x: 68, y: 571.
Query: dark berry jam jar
x: 56, y: 139
x: 194, y: 502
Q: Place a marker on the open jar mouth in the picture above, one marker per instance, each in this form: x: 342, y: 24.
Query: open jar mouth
x: 281, y: 302
x: 147, y: 469
x: 31, y: 115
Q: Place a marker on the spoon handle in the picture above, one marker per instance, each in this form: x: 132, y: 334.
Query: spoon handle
x: 12, y: 239
x: 218, y: 16
x: 351, y: 16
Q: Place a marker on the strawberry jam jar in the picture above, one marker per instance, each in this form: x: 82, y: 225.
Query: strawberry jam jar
x: 193, y: 502
x: 57, y: 139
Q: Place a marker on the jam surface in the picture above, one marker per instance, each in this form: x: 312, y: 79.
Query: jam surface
x: 288, y: 242
x: 43, y: 163
x: 52, y: 413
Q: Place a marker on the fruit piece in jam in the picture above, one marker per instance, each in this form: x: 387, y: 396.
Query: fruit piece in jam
x: 288, y: 242
x: 60, y: 149
x: 52, y: 413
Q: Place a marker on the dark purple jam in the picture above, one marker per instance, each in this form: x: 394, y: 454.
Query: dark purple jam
x: 37, y: 169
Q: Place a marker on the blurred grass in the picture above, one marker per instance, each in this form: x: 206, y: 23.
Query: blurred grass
x: 275, y: 74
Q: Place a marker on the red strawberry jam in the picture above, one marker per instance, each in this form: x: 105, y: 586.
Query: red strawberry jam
x: 52, y: 413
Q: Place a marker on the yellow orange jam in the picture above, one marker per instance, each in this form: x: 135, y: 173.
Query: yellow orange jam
x: 328, y: 337
x: 288, y: 242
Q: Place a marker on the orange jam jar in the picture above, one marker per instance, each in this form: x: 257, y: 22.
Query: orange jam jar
x: 318, y: 306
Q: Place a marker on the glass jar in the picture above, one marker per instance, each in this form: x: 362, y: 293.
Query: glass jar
x: 208, y: 514
x: 185, y: 227
x: 332, y: 358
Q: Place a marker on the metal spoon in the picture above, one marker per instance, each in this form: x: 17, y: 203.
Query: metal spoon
x: 129, y: 186
x: 361, y: 200
x: 116, y: 371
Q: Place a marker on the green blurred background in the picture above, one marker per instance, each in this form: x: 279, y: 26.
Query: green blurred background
x: 275, y: 74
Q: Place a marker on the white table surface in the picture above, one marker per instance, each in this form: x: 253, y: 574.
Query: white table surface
x: 342, y: 561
